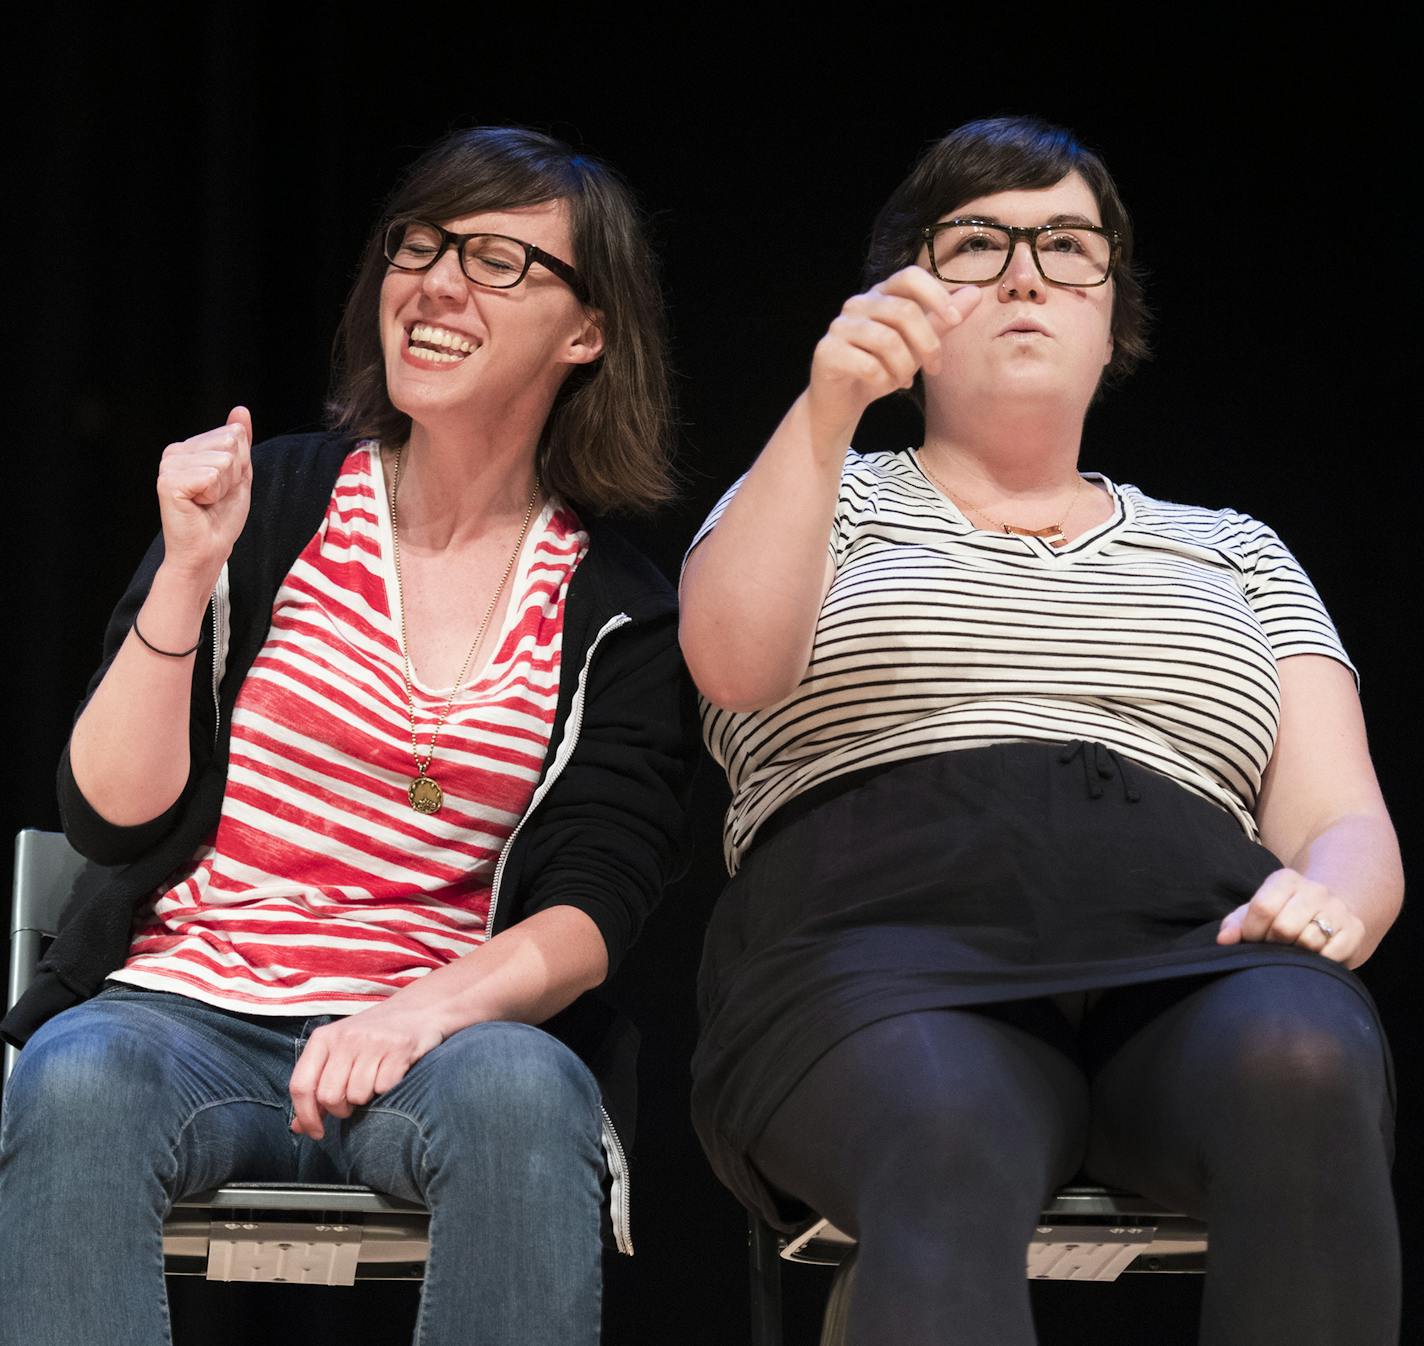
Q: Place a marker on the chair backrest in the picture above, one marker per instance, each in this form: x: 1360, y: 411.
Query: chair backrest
x: 48, y: 873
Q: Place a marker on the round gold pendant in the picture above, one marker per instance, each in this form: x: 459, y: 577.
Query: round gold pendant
x: 425, y: 795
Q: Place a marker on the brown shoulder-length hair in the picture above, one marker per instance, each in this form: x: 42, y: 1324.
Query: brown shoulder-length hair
x: 1004, y: 154
x: 605, y: 447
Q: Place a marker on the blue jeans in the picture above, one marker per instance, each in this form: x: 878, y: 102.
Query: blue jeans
x: 131, y: 1100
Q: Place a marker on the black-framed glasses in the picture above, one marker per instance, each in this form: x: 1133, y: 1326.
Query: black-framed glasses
x: 978, y: 252
x: 493, y: 260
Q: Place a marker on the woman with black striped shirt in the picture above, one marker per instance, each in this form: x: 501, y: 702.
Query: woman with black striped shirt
x: 1054, y: 833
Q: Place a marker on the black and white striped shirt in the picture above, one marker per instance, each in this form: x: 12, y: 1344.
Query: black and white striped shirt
x: 1156, y: 633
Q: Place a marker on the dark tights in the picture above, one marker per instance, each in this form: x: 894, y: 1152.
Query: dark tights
x: 1256, y: 1101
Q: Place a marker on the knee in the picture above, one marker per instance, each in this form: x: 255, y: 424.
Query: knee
x: 82, y: 1100
x: 1281, y: 1059
x: 511, y: 1086
x: 83, y: 1074
x: 1303, y: 1082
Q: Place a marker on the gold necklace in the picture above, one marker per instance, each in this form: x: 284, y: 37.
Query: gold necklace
x: 1054, y: 533
x: 424, y: 793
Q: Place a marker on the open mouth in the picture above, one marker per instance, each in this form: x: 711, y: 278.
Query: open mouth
x: 438, y: 344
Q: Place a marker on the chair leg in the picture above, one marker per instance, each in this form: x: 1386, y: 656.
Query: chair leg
x: 837, y: 1316
x: 764, y: 1266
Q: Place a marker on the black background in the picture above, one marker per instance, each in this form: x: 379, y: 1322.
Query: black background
x: 160, y: 169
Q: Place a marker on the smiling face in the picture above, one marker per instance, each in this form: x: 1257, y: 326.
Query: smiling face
x: 1028, y: 338
x: 456, y: 352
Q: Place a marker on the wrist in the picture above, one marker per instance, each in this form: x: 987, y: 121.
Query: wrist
x: 181, y: 586
x: 172, y: 613
x: 828, y: 429
x: 445, y: 999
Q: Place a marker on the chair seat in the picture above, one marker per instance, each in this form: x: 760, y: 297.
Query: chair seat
x: 1085, y: 1233
x: 307, y: 1233
x: 335, y: 1197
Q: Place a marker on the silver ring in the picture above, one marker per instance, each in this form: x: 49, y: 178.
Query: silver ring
x: 1327, y: 930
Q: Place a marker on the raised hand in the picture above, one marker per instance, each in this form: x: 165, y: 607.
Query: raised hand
x: 877, y: 344
x: 204, y: 488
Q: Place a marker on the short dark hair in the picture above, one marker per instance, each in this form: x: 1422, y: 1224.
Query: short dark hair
x: 1004, y: 154
x: 606, y: 445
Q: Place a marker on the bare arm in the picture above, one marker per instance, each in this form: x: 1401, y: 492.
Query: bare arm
x: 1321, y: 811
x: 129, y: 749
x: 753, y: 588
x: 526, y: 974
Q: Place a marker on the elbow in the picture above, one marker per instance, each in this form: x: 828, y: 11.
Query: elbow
x: 737, y: 686
x: 98, y: 837
x: 734, y: 677
x: 744, y: 698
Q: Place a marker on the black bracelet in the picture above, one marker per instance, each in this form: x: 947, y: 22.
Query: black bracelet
x: 167, y: 654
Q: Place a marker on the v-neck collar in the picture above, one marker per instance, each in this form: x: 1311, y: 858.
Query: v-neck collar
x: 1020, y: 544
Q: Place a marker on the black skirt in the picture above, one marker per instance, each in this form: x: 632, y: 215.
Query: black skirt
x: 985, y: 877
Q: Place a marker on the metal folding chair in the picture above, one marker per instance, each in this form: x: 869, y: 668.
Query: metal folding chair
x: 311, y: 1233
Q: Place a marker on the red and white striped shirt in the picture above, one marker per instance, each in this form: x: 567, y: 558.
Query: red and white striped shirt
x: 322, y: 889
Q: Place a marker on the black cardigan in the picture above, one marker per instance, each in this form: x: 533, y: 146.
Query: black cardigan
x: 604, y: 837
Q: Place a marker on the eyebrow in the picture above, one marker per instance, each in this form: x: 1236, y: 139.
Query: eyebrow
x: 1053, y: 221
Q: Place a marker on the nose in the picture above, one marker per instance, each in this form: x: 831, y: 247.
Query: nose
x: 1022, y: 280
x: 445, y: 279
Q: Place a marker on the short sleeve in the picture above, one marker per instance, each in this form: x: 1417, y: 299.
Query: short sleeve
x: 855, y: 503
x: 1286, y: 604
x: 710, y: 522
x: 858, y: 504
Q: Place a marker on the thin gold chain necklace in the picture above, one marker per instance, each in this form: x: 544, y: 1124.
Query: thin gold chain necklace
x: 1054, y: 533
x: 424, y: 793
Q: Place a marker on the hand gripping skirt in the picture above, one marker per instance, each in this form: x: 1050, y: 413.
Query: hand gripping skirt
x: 977, y: 877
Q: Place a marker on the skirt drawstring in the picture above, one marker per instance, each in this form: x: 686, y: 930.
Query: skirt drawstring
x: 1100, y: 763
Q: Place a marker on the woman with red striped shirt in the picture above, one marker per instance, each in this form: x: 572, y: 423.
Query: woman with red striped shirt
x: 391, y: 741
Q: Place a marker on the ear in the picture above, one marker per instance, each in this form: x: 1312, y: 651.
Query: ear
x: 586, y: 345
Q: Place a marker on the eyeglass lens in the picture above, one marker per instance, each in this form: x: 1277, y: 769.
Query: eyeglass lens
x: 487, y: 259
x: 970, y: 253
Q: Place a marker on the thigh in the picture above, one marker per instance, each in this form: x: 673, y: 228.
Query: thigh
x: 153, y: 1083
x: 951, y: 1107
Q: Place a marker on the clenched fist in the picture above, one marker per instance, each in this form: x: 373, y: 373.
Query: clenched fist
x: 204, y: 487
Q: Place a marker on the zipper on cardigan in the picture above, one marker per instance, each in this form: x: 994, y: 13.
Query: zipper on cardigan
x: 217, y: 704
x: 561, y: 760
x: 222, y: 624
x: 620, y: 1193
x: 619, y: 1189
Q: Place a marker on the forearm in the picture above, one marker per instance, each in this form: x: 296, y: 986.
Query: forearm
x: 1321, y: 811
x: 1357, y: 860
x: 525, y: 974
x: 129, y: 750
x: 753, y: 588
